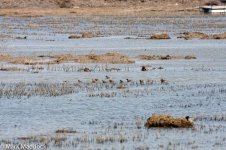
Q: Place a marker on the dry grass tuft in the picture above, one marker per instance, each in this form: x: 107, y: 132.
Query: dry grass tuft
x: 191, y: 35
x: 85, y: 70
x: 22, y: 60
x: 10, y: 69
x: 200, y: 35
x: 83, y: 35
x: 29, y: 60
x: 25, y: 138
x: 4, y: 57
x: 58, y: 141
x: 65, y: 131
x: 213, y: 3
x: 160, y: 36
x: 167, y: 57
x: 112, y: 58
x: 167, y: 121
x: 219, y: 36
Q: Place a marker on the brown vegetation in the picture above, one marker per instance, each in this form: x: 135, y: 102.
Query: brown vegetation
x: 167, y: 121
x: 10, y: 69
x: 111, y: 58
x: 65, y: 131
x: 160, y: 36
x: 17, y: 60
x: 98, y: 7
x: 200, y: 35
x: 83, y: 35
x: 64, y: 3
x: 167, y: 57
x: 87, y: 3
x: 213, y: 3
x: 85, y: 69
x: 22, y: 60
x: 219, y: 36
x: 4, y: 57
x: 191, y: 35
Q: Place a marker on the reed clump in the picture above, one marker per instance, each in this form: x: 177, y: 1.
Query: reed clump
x: 191, y: 35
x: 83, y: 35
x: 10, y: 69
x: 64, y: 131
x: 166, y: 57
x: 167, y: 121
x: 112, y: 58
x: 200, y: 35
x: 4, y: 57
x: 160, y: 36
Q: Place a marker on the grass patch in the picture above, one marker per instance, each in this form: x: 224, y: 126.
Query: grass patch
x: 167, y: 121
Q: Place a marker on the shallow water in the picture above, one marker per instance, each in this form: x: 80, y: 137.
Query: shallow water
x: 196, y: 88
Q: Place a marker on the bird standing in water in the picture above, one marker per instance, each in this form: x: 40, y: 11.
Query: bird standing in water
x: 107, y: 77
x: 189, y: 119
x: 144, y: 68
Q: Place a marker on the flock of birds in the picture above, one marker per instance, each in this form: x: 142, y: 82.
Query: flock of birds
x: 124, y: 83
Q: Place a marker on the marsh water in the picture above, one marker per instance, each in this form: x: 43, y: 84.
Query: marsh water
x: 195, y: 88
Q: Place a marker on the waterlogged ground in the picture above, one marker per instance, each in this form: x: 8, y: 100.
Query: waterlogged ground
x: 111, y: 115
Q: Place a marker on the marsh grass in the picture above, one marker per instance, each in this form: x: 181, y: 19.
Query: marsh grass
x: 11, y: 69
x: 92, y: 88
x: 200, y: 35
x: 64, y: 131
x: 111, y: 58
x: 166, y: 57
x: 81, y: 68
x: 108, y: 58
x: 160, y: 36
x: 167, y: 121
x: 19, y: 90
x: 221, y: 117
x: 124, y: 133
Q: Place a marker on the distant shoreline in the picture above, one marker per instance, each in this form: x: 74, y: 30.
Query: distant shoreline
x: 142, y: 11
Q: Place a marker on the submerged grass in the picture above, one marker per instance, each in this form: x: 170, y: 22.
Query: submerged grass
x: 117, y: 134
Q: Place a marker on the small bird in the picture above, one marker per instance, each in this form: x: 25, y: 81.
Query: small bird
x: 111, y: 81
x: 79, y: 81
x: 86, y: 70
x: 150, y: 81
x: 142, y: 82
x: 103, y: 81
x: 107, y: 77
x: 189, y: 119
x: 144, y: 68
x: 93, y: 81
x: 163, y: 81
x: 25, y: 37
x: 128, y: 80
x: 121, y: 82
